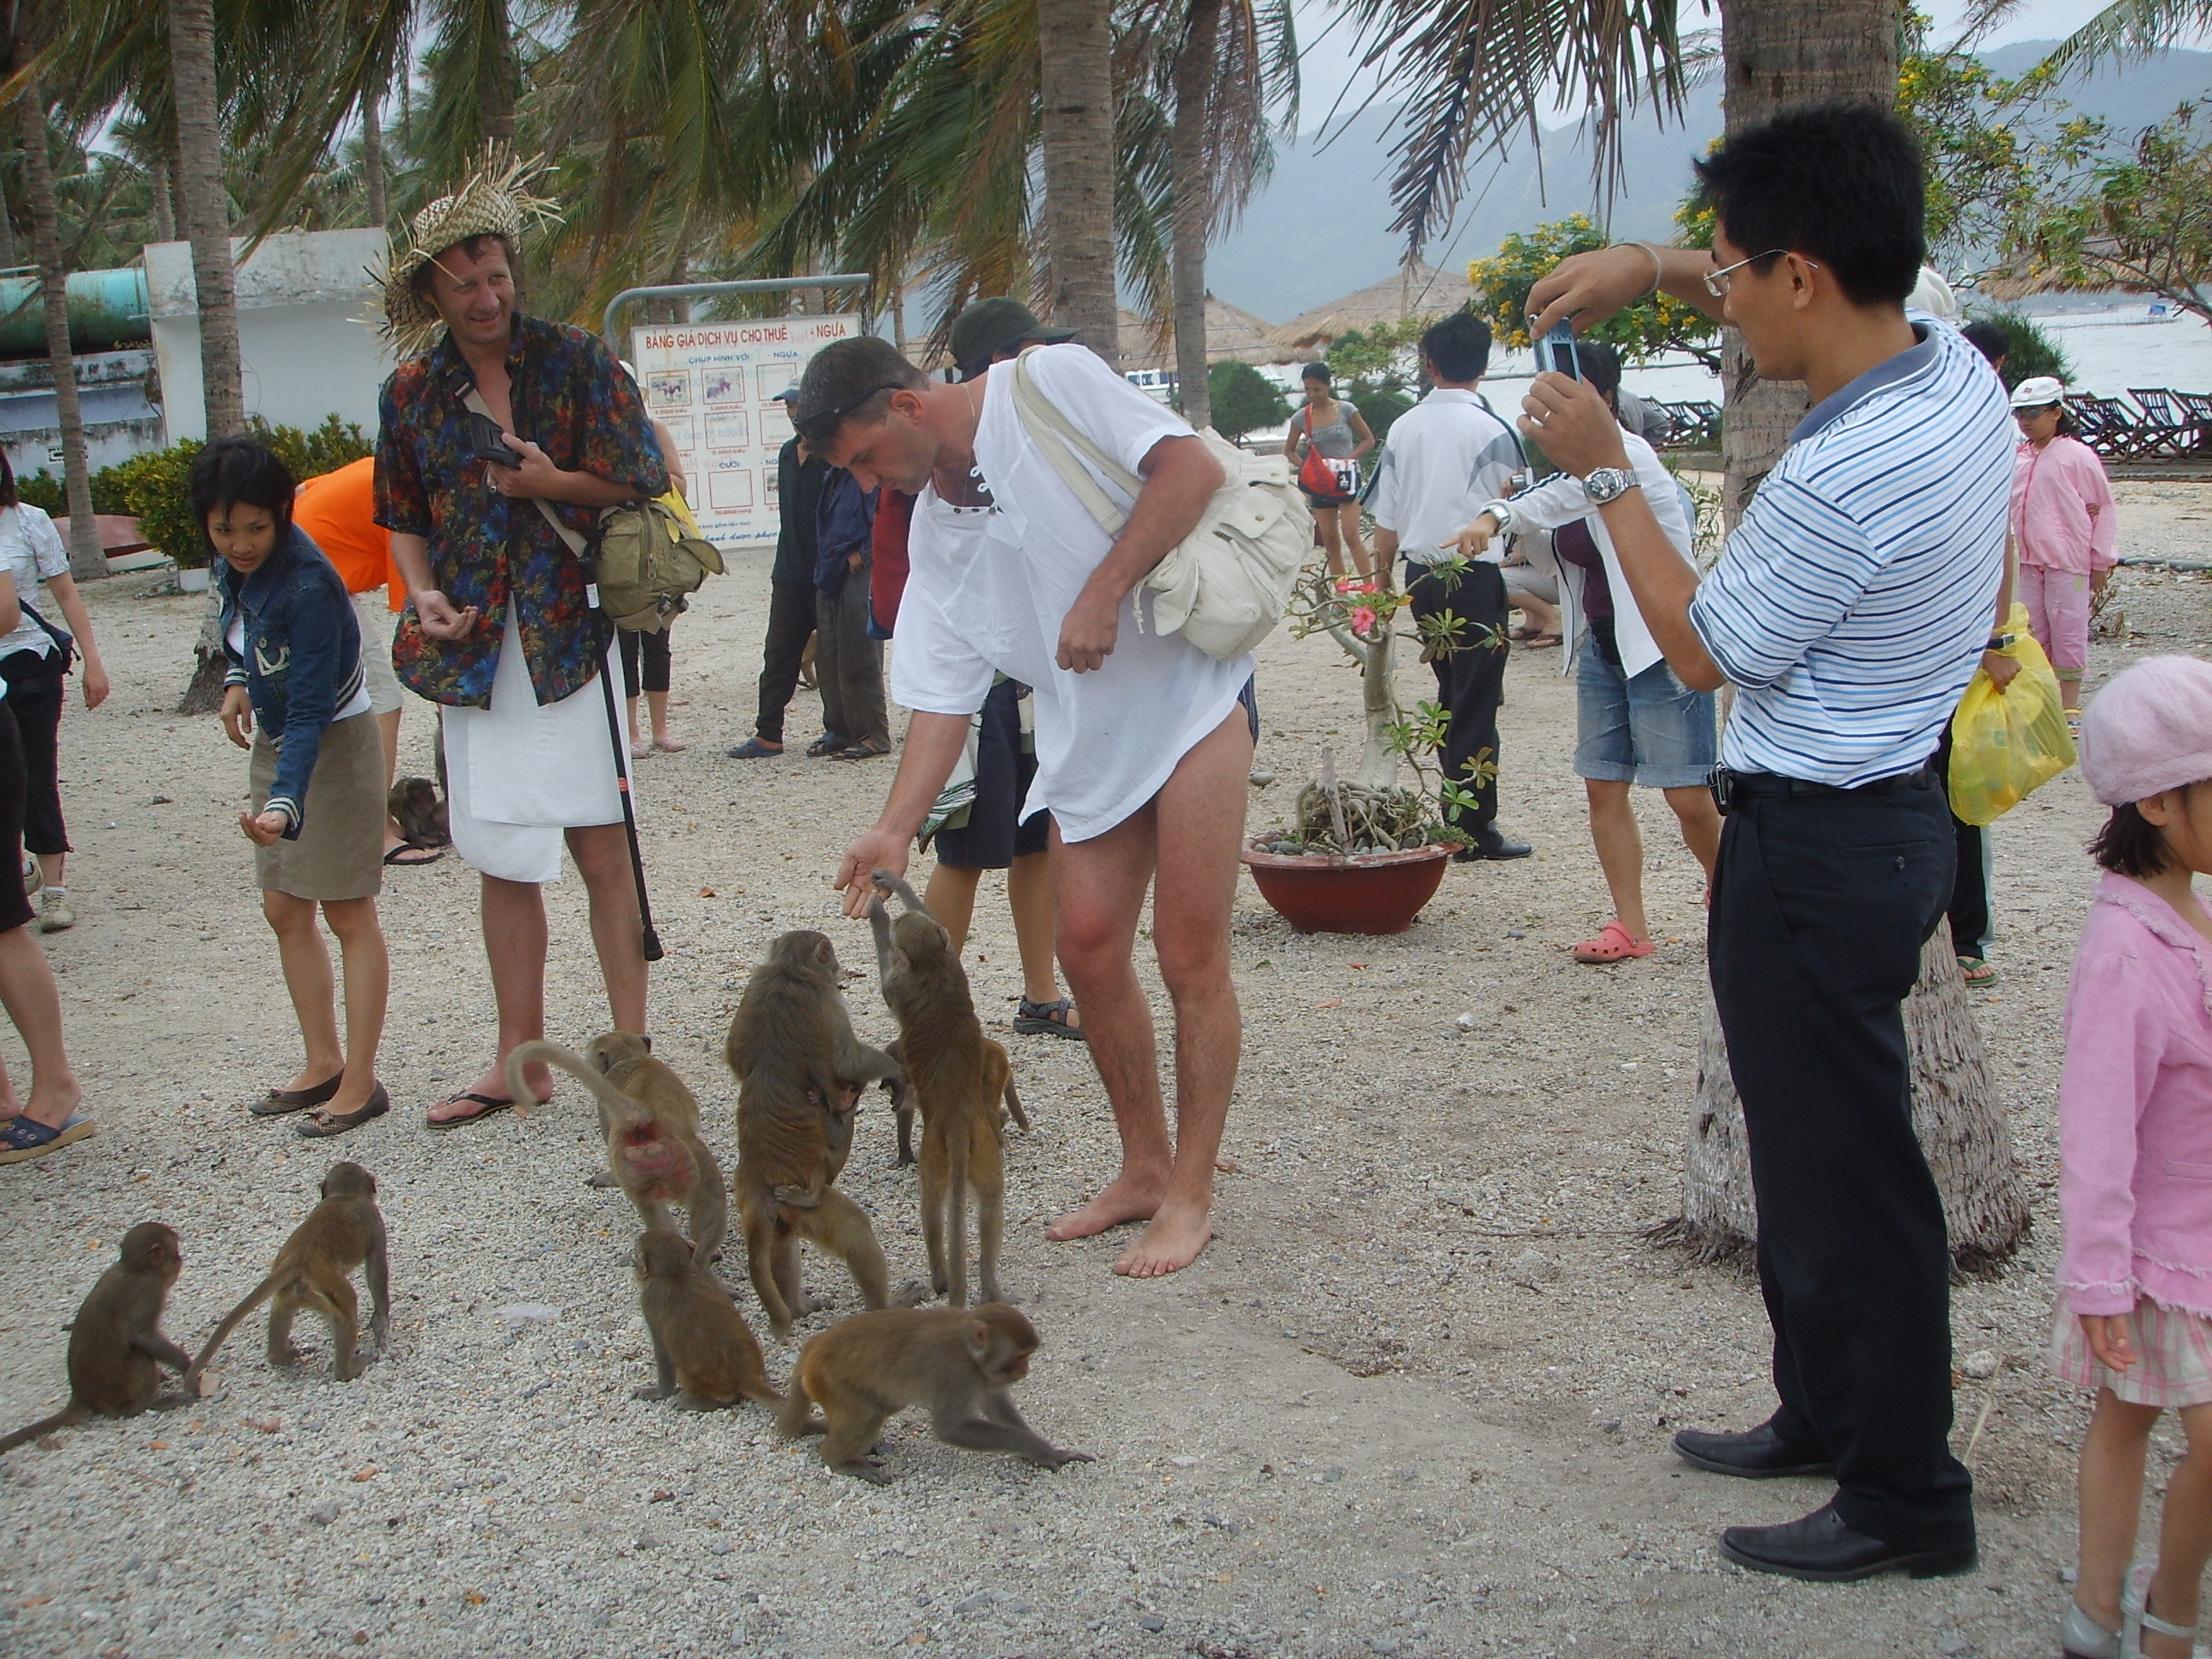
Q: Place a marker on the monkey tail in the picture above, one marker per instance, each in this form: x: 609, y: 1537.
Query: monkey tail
x: 610, y: 1099
x: 796, y: 1414
x: 75, y: 1411
x: 260, y: 1294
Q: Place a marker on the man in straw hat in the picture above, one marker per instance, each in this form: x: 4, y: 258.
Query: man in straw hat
x: 499, y: 628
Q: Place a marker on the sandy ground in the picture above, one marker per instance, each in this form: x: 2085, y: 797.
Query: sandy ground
x: 1415, y: 1400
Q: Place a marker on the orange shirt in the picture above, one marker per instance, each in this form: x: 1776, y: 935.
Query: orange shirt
x: 338, y: 511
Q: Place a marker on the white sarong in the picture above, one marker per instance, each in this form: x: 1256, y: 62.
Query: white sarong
x: 520, y: 773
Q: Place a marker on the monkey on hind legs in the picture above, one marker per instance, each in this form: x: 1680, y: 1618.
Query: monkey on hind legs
x: 655, y: 1153
x: 957, y: 1077
x: 315, y: 1270
x: 960, y: 1363
x: 799, y: 1070
x: 116, y: 1348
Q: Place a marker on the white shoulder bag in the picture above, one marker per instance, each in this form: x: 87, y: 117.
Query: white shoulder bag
x: 1227, y: 585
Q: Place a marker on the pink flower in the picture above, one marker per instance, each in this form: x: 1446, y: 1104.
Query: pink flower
x: 1355, y: 584
x: 1363, y: 619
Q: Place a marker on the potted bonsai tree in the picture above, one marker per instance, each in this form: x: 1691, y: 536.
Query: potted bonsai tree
x: 1363, y: 855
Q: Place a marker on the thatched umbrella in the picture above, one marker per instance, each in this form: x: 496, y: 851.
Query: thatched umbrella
x: 1420, y: 291
x: 1229, y: 332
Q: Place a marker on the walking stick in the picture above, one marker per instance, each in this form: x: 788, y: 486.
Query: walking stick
x: 652, y: 950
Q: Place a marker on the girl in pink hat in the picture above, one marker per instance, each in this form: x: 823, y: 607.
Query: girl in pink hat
x: 2135, y: 1188
x: 2061, y: 529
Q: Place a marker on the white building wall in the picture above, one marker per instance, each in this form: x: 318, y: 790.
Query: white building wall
x: 309, y: 351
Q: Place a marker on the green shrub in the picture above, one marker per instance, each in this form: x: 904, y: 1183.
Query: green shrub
x: 2029, y: 351
x: 1244, y: 400
x: 43, y: 490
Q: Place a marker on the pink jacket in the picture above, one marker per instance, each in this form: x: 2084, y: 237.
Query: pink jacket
x: 2062, y: 508
x: 2135, y: 1109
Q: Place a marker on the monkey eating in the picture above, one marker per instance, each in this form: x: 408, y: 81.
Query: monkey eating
x: 960, y: 1363
x: 314, y: 1270
x: 415, y: 807
x: 116, y: 1348
x: 703, y: 1350
x: 956, y: 1076
x: 801, y: 1071
x: 650, y: 1120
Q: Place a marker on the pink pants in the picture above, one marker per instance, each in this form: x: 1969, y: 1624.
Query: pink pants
x: 2057, y: 603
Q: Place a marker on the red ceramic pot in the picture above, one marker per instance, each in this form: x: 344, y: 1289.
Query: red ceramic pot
x: 1358, y: 893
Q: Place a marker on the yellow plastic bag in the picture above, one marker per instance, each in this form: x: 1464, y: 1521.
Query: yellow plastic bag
x: 2006, y: 744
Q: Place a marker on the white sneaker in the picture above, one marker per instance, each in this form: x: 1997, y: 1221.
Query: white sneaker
x: 35, y: 877
x: 54, y: 913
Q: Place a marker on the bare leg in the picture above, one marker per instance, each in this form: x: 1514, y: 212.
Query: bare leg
x: 1347, y: 518
x: 1620, y: 851
x: 1701, y: 825
x: 387, y: 728
x: 367, y: 989
x: 514, y: 948
x: 2070, y: 697
x: 1029, y: 895
x: 1325, y: 522
x: 602, y: 855
x: 1543, y: 616
x: 951, y: 897
x: 1198, y: 818
x: 656, y: 709
x: 2110, y: 1489
x: 53, y: 869
x: 307, y: 977
x: 2185, y: 1537
x: 34, y: 1004
x: 634, y: 740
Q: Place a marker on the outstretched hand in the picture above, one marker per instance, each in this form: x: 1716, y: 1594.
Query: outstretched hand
x: 880, y: 850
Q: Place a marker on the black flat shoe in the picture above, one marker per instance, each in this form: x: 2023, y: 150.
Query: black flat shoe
x: 1821, y: 1548
x: 1757, y: 1454
x: 277, y: 1102
x: 1488, y: 843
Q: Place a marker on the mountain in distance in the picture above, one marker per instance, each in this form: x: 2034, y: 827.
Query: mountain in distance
x: 1320, y: 226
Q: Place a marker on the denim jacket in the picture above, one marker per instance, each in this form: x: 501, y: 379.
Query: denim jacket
x: 302, y: 659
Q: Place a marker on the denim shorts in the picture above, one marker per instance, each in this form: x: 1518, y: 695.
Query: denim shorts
x: 1652, y: 730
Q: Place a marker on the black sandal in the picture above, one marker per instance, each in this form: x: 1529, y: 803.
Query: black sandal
x: 869, y: 749
x: 319, y: 1125
x: 825, y: 746
x: 1048, y: 1019
x: 488, y: 1108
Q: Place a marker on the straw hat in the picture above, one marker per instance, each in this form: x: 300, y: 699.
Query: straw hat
x: 493, y: 201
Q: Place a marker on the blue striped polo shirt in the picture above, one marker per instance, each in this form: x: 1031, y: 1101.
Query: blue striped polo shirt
x: 1854, y: 596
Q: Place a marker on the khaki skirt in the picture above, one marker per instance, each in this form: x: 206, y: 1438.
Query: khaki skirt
x: 339, y: 853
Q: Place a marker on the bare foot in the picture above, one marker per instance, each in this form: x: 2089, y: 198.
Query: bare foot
x: 492, y: 1085
x: 1127, y: 1200
x: 312, y: 1075
x: 1177, y: 1236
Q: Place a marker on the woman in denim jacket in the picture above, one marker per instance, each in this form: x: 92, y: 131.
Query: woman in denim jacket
x: 316, y: 775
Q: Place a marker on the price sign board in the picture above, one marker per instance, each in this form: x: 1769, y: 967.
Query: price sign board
x: 713, y: 386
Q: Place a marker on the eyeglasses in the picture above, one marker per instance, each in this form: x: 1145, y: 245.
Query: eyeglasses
x: 822, y: 425
x: 1717, y: 282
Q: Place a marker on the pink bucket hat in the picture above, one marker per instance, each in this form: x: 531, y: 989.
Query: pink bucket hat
x: 2150, y: 730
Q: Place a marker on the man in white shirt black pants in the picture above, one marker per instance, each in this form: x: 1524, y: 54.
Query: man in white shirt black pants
x: 1444, y: 459
x: 1849, y: 610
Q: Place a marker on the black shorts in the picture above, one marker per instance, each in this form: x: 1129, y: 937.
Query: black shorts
x: 14, y: 907
x: 1313, y: 500
x: 994, y: 836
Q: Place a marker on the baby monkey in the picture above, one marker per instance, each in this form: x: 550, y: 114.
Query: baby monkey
x: 314, y: 1270
x: 960, y: 1363
x: 415, y: 807
x: 703, y: 1350
x: 116, y: 1348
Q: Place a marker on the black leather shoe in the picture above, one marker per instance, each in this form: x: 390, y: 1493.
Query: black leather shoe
x: 1487, y: 844
x: 1757, y: 1454
x: 1822, y: 1548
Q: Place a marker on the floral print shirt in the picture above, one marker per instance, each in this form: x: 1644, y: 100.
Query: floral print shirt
x: 571, y: 398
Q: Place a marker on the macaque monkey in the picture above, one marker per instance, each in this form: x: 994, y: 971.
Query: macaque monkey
x: 702, y: 1349
x: 957, y: 1077
x: 116, y: 1348
x: 655, y: 1153
x: 801, y: 1071
x: 315, y: 1270
x: 415, y: 807
x: 960, y: 1363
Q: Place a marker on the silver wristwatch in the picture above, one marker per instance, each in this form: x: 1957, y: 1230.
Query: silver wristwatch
x: 1608, y: 484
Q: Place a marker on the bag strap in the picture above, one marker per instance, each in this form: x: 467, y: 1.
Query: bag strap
x: 1061, y: 439
x: 575, y: 542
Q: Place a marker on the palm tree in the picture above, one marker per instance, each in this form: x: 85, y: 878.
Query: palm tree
x: 2126, y: 28
x: 207, y: 211
x: 1075, y: 84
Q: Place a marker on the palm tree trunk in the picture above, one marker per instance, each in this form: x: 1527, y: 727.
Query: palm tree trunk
x: 207, y: 211
x: 164, y: 211
x: 7, y: 229
x: 87, y: 562
x: 496, y: 95
x: 1076, y: 84
x: 1193, y: 184
x: 371, y: 155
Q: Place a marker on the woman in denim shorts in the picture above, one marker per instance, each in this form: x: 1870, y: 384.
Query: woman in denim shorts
x: 1635, y: 722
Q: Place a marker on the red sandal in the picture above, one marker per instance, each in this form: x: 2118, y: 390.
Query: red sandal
x: 1614, y: 943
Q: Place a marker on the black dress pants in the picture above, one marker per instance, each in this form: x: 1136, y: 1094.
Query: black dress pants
x: 1821, y: 903
x: 790, y: 625
x: 35, y: 694
x: 1471, y: 681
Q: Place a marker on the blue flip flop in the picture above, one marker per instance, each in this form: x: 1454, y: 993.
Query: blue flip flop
x: 23, y: 1138
x: 754, y: 749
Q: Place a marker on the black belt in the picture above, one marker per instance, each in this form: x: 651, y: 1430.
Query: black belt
x: 1729, y: 787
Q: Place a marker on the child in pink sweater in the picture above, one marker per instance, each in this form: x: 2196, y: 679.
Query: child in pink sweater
x: 2061, y: 529
x: 2135, y: 1187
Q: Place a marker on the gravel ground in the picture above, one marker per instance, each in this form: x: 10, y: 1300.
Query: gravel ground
x: 1415, y: 1399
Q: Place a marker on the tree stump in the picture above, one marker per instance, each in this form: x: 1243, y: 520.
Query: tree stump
x: 1955, y: 1110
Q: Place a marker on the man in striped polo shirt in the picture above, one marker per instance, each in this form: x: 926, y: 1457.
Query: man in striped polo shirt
x: 1849, y: 611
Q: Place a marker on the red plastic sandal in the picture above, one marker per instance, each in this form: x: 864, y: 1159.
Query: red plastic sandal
x: 1614, y: 943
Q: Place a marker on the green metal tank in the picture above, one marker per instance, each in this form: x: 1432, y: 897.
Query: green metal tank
x: 107, y: 310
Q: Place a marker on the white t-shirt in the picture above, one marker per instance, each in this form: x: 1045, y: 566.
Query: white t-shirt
x: 31, y: 551
x: 987, y: 592
x: 1446, y: 459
